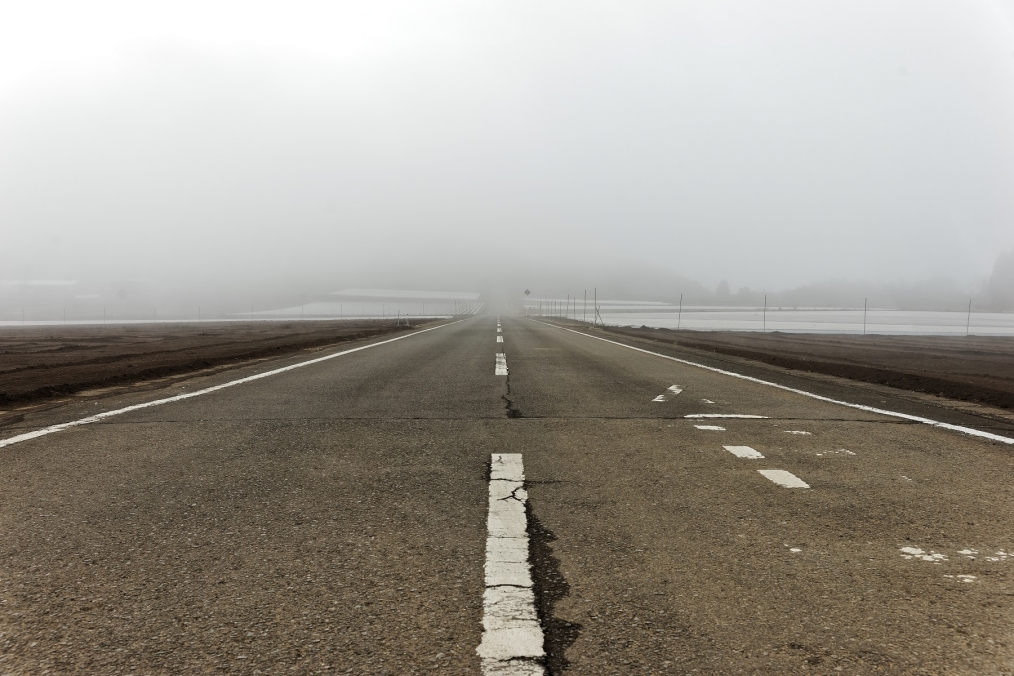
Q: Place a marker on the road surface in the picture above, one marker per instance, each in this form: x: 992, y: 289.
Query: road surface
x: 332, y: 518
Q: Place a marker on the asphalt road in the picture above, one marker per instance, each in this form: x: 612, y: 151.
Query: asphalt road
x: 332, y: 519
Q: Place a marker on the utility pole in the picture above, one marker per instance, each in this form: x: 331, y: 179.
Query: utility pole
x: 764, y: 326
x: 595, y: 319
x: 968, y: 322
x: 679, y: 315
x: 584, y: 310
x: 865, y: 301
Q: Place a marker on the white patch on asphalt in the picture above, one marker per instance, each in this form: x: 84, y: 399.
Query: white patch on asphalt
x: 916, y: 553
x: 669, y: 393
x: 726, y: 415
x: 499, y: 339
x: 963, y: 578
x: 840, y: 451
x: 861, y: 407
x: 795, y: 550
x: 512, y: 639
x: 501, y: 364
x: 714, y: 428
x: 796, y: 432
x: 499, y: 330
x: 207, y: 390
x: 744, y: 452
x: 783, y: 478
x: 707, y: 401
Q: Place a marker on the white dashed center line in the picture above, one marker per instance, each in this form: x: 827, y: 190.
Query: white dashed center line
x: 726, y: 415
x: 744, y: 452
x: 499, y: 330
x: 669, y: 393
x: 501, y: 364
x: 714, y: 428
x: 783, y: 478
x: 499, y: 339
x: 512, y: 640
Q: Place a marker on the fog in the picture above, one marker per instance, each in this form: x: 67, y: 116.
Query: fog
x: 228, y: 150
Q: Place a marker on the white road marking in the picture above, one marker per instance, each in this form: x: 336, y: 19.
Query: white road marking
x: 726, y: 415
x: 716, y: 428
x: 501, y: 364
x: 499, y: 330
x: 499, y: 339
x: 707, y: 401
x: 208, y: 390
x: 669, y: 393
x: 512, y: 639
x: 962, y: 578
x: 744, y: 452
x: 797, y: 432
x: 869, y: 409
x: 783, y: 478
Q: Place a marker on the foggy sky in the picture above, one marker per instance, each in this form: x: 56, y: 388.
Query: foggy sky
x: 771, y: 144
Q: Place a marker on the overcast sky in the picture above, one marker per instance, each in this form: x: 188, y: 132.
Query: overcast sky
x: 771, y: 143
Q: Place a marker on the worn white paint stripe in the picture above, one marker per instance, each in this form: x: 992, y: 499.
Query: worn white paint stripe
x: 783, y: 478
x: 869, y: 409
x: 512, y: 639
x: 499, y: 330
x: 715, y: 428
x: 499, y: 339
x: 726, y: 415
x: 671, y: 392
x: 208, y: 390
x: 744, y: 452
x: 501, y: 364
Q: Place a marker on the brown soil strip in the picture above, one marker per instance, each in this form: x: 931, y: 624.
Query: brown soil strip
x: 975, y: 368
x: 41, y: 363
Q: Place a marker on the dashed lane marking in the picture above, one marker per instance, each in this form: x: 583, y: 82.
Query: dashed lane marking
x: 714, y: 428
x: 744, y: 452
x: 207, y: 390
x: 869, y: 409
x: 499, y: 339
x: 501, y: 364
x: 726, y: 415
x: 669, y: 393
x: 512, y: 639
x: 783, y: 478
x: 499, y: 330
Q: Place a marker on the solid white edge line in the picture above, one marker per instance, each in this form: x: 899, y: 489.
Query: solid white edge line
x: 512, y: 639
x: 726, y: 415
x: 869, y: 409
x: 179, y: 397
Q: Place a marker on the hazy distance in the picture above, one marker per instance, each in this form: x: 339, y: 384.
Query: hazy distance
x: 226, y: 148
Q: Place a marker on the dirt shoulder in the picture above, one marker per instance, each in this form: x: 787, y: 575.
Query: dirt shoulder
x: 39, y: 364
x: 974, y: 369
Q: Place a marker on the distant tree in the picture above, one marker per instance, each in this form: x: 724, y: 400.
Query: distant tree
x: 1001, y: 284
x: 723, y: 289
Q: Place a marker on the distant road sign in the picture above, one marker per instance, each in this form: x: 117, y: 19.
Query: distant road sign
x: 527, y: 292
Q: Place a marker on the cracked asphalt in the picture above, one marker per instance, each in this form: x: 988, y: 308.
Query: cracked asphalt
x: 331, y: 519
